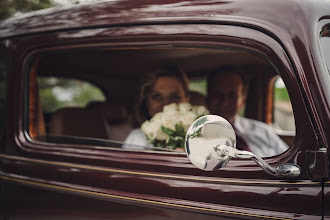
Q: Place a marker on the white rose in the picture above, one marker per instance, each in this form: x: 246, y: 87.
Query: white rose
x: 184, y: 107
x: 157, y: 117
x: 188, y: 119
x: 153, y: 131
x: 146, y: 127
x: 170, y: 120
x: 200, y: 110
x: 170, y: 109
x: 160, y: 135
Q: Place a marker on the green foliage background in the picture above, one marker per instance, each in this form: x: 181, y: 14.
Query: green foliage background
x: 9, y: 7
x: 198, y: 86
x: 76, y: 93
x: 281, y: 94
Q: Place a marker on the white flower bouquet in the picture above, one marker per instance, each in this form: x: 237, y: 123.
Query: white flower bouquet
x: 167, y: 129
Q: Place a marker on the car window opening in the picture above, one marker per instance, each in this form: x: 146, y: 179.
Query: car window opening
x: 97, y: 105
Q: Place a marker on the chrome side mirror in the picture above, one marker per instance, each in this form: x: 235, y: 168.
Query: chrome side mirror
x: 211, y: 142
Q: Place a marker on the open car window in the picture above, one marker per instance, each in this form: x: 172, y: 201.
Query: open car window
x: 87, y: 96
x: 283, y: 114
x: 56, y: 93
x: 325, y: 45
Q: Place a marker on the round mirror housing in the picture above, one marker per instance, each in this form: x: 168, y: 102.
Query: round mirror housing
x: 211, y: 142
x: 202, y: 139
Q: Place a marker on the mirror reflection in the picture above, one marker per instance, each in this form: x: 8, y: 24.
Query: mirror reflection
x: 203, y: 138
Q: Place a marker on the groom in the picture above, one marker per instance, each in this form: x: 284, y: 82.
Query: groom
x: 227, y: 89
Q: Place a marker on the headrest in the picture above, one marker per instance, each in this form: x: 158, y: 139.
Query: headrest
x: 77, y: 122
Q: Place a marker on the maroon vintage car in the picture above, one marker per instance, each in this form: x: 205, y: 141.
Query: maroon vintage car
x: 68, y: 79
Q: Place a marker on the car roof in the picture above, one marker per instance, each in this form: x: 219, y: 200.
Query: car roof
x: 281, y: 15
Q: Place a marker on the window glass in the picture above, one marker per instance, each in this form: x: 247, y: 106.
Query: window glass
x: 283, y: 113
x: 197, y: 88
x: 198, y: 85
x: 325, y: 45
x: 3, y: 73
x: 56, y: 93
x: 64, y: 99
x: 65, y: 107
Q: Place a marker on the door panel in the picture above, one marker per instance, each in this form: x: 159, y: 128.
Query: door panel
x: 183, y: 194
x: 71, y: 179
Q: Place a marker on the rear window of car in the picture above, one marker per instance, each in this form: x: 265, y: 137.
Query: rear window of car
x: 325, y: 45
x: 283, y: 117
x: 56, y: 93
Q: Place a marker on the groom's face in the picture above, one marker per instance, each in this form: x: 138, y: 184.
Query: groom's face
x: 226, y: 95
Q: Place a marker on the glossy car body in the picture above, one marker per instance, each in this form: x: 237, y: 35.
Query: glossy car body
x: 75, y: 180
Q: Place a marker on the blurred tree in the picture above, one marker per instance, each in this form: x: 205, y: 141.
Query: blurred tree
x: 281, y: 94
x: 9, y: 7
x: 56, y: 93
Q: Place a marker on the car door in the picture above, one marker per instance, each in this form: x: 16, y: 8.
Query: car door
x: 77, y: 178
x: 324, y: 41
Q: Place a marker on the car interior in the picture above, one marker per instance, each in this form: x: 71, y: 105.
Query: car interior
x: 62, y: 112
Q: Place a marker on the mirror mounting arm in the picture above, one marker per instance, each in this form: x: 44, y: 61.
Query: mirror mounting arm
x: 285, y: 170
x: 211, y: 142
